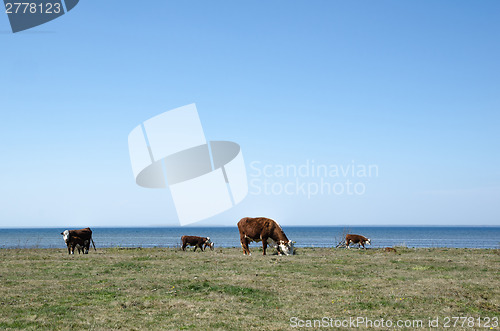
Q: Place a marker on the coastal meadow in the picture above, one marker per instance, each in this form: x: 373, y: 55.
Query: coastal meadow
x: 168, y: 289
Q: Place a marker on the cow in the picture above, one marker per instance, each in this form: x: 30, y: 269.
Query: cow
x: 356, y: 239
x: 81, y: 237
x: 201, y: 242
x: 80, y: 244
x: 266, y: 230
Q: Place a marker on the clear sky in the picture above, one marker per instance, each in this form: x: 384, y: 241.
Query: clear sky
x: 412, y: 87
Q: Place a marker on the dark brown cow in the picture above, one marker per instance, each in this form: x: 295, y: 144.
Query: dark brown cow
x: 356, y: 239
x: 81, y: 237
x: 266, y: 230
x: 195, y: 241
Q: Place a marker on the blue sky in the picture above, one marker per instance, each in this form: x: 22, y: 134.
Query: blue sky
x: 409, y: 86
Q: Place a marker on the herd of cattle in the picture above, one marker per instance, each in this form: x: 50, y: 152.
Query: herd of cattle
x: 258, y: 229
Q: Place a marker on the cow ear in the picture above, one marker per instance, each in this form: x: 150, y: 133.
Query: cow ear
x: 62, y: 233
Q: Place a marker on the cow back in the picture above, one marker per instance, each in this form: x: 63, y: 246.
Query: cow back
x: 193, y: 240
x: 257, y: 228
x: 85, y: 234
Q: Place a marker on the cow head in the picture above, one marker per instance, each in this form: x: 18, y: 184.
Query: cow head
x: 368, y: 242
x: 286, y: 247
x: 209, y: 243
x: 65, y: 236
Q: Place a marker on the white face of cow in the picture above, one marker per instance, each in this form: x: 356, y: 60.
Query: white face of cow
x: 368, y: 242
x: 66, y: 236
x: 209, y: 243
x: 286, y: 248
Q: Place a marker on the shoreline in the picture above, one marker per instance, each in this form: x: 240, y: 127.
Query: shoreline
x: 256, y: 248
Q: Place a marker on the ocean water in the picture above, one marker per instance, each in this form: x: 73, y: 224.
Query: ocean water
x: 459, y: 237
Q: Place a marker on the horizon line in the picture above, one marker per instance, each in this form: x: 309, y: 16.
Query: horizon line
x: 233, y: 226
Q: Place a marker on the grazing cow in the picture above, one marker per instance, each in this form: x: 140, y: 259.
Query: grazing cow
x: 356, y: 239
x: 390, y: 249
x: 81, y: 237
x: 201, y: 242
x: 266, y: 230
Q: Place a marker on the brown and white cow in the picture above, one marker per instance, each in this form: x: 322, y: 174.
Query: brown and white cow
x: 356, y: 239
x: 266, y: 230
x: 81, y: 237
x: 201, y: 242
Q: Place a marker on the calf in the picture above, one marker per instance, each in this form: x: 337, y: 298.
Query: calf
x: 81, y: 237
x: 266, y: 230
x: 201, y: 242
x: 356, y: 239
x: 79, y: 244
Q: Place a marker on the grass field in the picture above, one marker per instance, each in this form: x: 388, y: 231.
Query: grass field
x: 165, y: 288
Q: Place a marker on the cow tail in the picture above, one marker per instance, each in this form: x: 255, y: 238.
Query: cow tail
x: 93, y: 243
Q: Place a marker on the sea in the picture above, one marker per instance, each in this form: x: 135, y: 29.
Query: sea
x: 381, y: 236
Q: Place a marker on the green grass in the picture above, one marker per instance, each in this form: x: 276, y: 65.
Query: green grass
x: 167, y: 289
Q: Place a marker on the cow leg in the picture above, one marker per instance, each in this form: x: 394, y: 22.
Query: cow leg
x: 264, y: 245
x: 195, y: 247
x: 184, y: 247
x: 244, y: 245
x: 201, y: 247
x: 243, y: 248
x: 347, y: 244
x: 247, y: 242
x: 246, y: 249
